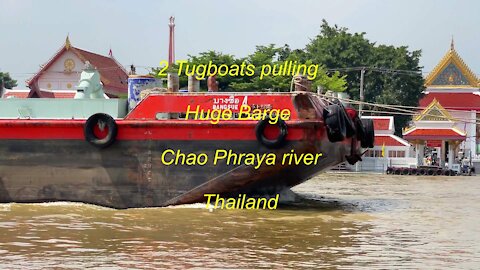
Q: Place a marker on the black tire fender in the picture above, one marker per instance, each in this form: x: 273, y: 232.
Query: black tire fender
x: 360, y: 129
x: 275, y: 143
x: 368, y: 138
x: 335, y: 123
x: 100, y: 119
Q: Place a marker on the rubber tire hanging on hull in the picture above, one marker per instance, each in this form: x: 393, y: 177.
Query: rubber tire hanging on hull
x: 275, y: 143
x: 335, y: 122
x: 367, y: 139
x: 100, y: 119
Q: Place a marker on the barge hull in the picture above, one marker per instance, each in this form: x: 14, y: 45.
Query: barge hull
x: 131, y: 173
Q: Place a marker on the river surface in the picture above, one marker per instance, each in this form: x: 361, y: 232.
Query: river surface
x: 359, y: 222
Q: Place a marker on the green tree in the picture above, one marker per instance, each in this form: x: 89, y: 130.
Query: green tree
x: 217, y: 58
x: 269, y: 54
x: 7, y: 81
x: 393, y: 74
x: 272, y: 55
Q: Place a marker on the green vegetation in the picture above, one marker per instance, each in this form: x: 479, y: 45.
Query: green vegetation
x: 263, y: 55
x: 393, y: 75
x: 7, y: 81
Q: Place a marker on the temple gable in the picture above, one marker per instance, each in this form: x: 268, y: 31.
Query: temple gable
x: 451, y: 71
x: 450, y: 75
x: 434, y: 112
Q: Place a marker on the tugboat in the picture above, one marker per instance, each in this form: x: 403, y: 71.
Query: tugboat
x: 171, y: 148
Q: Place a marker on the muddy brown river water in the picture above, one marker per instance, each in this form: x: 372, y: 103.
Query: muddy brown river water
x: 360, y: 221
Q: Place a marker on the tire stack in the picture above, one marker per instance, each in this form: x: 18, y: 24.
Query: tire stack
x: 420, y: 171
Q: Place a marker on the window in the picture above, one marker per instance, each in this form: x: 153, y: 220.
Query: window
x: 390, y: 154
x: 396, y: 154
x: 369, y: 153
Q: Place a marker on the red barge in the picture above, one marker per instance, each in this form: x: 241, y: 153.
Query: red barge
x: 120, y: 161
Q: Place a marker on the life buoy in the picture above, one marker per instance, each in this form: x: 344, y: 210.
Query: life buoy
x: 422, y: 172
x: 275, y: 143
x: 104, y: 123
x: 335, y: 118
x: 405, y: 171
x: 413, y: 171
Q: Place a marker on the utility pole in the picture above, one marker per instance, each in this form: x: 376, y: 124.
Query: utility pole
x: 1, y: 85
x: 171, y: 42
x: 362, y: 96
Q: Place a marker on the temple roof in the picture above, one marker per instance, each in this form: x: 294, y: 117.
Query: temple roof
x: 434, y: 133
x: 382, y: 124
x: 9, y: 93
x: 45, y: 94
x: 113, y: 75
x: 451, y: 71
x: 453, y: 101
x: 389, y: 140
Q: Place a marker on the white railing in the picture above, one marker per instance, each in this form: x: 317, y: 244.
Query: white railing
x: 381, y: 164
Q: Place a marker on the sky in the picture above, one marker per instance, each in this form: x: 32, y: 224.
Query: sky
x: 137, y: 31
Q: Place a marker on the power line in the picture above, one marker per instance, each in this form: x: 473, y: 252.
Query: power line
x: 399, y: 110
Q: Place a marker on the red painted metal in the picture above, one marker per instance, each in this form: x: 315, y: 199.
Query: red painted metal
x: 141, y: 123
x: 145, y: 130
x: 178, y: 103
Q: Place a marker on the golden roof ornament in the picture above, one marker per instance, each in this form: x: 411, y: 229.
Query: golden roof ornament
x: 67, y: 43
